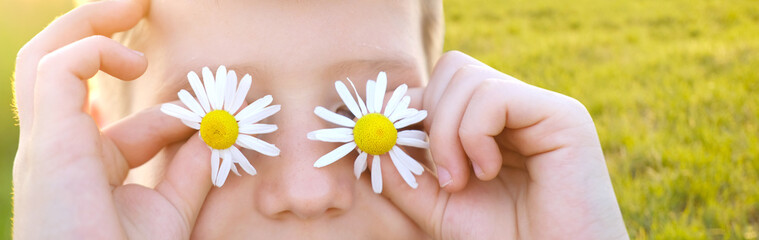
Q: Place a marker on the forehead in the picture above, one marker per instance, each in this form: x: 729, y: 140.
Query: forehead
x: 285, y: 39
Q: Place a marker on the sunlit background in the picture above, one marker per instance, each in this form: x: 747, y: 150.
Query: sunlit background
x: 673, y: 87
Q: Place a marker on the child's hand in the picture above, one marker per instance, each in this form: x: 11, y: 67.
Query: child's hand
x: 539, y: 171
x: 68, y: 173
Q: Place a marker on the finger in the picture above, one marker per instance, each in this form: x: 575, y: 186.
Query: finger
x: 140, y: 136
x: 425, y: 205
x: 186, y: 182
x: 481, y: 122
x: 63, y: 92
x: 448, y: 64
x: 447, y: 152
x: 101, y: 18
x: 538, y: 121
x: 534, y: 115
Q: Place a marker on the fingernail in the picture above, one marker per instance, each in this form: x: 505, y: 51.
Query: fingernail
x: 477, y: 170
x: 138, y: 52
x: 444, y: 177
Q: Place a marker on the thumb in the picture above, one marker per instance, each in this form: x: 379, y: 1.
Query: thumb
x: 424, y: 205
x: 186, y: 182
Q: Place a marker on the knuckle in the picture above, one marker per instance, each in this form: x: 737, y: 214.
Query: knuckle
x: 574, y: 104
x: 468, y: 73
x: 93, y: 7
x: 133, y: 7
x: 450, y: 59
x: 494, y: 84
x: 574, y: 107
x: 465, y: 134
x: 96, y: 39
x: 449, y: 55
x: 46, y: 65
x: 88, y: 7
x: 50, y: 65
x: 23, y: 54
x: 468, y: 70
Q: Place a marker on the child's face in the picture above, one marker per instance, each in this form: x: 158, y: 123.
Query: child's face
x: 294, y: 50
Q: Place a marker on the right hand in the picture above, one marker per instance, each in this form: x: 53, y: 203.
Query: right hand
x: 68, y: 174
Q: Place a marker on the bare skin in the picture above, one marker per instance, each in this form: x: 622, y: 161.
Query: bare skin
x: 511, y: 161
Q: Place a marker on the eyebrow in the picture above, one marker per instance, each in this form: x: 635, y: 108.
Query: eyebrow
x: 400, y: 67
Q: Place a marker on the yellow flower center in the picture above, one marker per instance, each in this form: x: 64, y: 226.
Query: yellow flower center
x: 375, y: 134
x: 219, y: 129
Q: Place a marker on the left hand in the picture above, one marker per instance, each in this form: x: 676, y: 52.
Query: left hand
x: 539, y: 170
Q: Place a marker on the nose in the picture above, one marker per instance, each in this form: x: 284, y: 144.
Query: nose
x: 294, y: 187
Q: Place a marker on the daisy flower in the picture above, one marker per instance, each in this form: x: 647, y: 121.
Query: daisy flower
x: 213, y: 114
x: 375, y: 132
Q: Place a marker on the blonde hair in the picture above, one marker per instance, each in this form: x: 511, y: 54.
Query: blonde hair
x: 433, y: 25
x: 432, y: 30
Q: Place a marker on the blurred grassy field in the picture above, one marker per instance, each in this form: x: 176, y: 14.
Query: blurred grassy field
x: 19, y: 22
x: 672, y: 86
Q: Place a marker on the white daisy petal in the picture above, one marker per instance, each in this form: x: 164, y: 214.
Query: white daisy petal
x: 193, y: 125
x: 400, y: 109
x: 200, y: 92
x: 334, y: 117
x: 340, y: 131
x: 412, y: 134
x: 242, y: 161
x: 228, y: 157
x: 220, y: 91
x: 398, y: 94
x: 379, y: 91
x: 331, y: 135
x: 257, y: 128
x: 258, y: 145
x: 221, y: 85
x: 408, y: 161
x: 376, y: 175
x: 254, y: 107
x: 358, y: 99
x: 179, y: 112
x: 209, y: 82
x: 412, y: 142
x: 408, y: 113
x: 370, y: 96
x: 214, y: 165
x: 226, y: 165
x: 234, y: 170
x: 418, y: 117
x: 327, y: 137
x: 229, y: 94
x: 345, y: 95
x: 405, y: 172
x: 231, y: 157
x: 242, y: 92
x: 264, y: 113
x: 335, y: 155
x: 359, y: 165
x: 189, y: 101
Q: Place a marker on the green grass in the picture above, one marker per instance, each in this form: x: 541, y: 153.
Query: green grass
x: 19, y: 22
x: 672, y: 86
